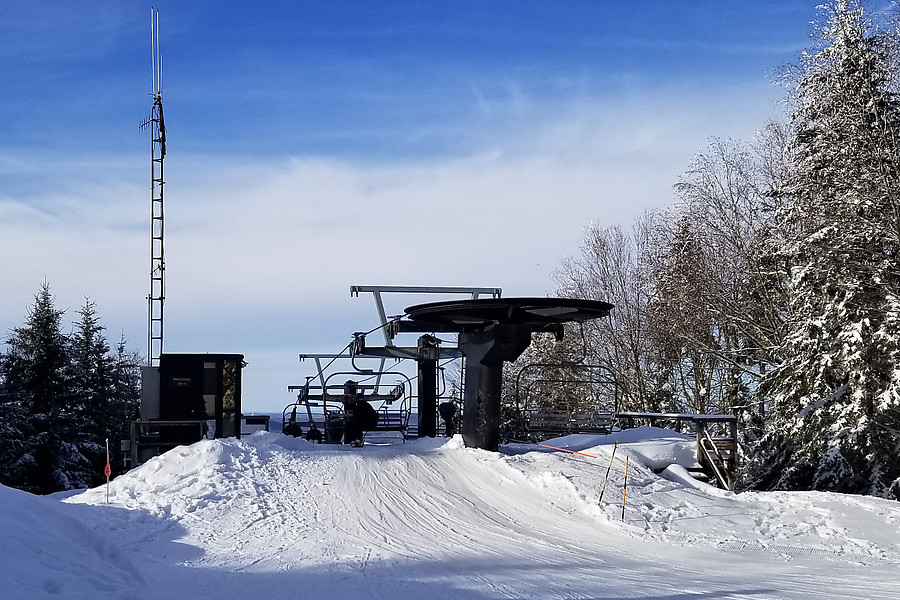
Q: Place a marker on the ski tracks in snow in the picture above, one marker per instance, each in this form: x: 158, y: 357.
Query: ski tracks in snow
x: 787, y: 524
x: 392, y: 521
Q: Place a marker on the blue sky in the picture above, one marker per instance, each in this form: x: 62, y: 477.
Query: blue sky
x: 366, y: 79
x: 317, y: 145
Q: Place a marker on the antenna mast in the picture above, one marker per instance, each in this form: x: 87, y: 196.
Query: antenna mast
x: 156, y: 298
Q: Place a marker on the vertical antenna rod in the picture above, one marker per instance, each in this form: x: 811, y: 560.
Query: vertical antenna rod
x: 156, y: 298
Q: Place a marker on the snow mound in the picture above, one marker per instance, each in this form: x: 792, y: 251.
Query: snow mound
x: 279, y: 517
x: 47, y: 552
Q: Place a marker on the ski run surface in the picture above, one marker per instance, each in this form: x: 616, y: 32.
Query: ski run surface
x: 271, y: 517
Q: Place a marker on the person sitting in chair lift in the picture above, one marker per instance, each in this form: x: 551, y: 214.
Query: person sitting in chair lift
x: 361, y: 416
x: 293, y: 428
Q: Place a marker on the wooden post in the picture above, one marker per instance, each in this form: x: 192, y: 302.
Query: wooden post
x: 700, y: 426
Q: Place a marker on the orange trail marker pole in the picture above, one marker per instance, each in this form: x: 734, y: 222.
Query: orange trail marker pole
x: 567, y: 450
x: 600, y: 501
x: 624, y: 488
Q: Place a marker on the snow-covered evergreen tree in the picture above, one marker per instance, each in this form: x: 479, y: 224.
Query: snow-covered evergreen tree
x: 91, y: 368
x: 15, y: 429
x: 36, y: 385
x: 835, y: 399
x: 61, y: 397
x: 34, y: 366
x: 124, y: 403
x: 682, y: 319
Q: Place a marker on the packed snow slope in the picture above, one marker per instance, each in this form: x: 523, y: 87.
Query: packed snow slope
x: 272, y: 517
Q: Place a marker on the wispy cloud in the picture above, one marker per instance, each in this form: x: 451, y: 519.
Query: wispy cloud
x: 39, y: 32
x: 297, y: 167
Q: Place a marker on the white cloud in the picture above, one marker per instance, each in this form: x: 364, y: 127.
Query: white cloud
x: 263, y: 253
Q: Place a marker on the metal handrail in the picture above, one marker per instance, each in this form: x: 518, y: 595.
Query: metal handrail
x: 713, y: 448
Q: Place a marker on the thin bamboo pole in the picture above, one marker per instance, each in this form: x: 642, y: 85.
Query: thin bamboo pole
x: 615, y: 445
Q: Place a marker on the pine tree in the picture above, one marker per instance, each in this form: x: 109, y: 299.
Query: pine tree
x: 682, y: 321
x: 61, y: 398
x: 91, y: 370
x: 126, y: 397
x: 14, y: 431
x: 835, y: 399
x: 92, y: 389
x: 34, y: 366
x: 35, y: 372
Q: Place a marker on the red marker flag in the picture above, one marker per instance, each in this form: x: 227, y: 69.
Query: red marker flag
x: 107, y: 471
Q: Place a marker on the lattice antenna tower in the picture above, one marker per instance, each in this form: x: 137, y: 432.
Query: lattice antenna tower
x: 157, y: 297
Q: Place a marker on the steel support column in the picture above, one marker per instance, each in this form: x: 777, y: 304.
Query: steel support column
x: 485, y: 351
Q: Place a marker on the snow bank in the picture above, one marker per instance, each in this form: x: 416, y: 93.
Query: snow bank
x: 278, y: 517
x: 46, y: 551
x: 653, y: 447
